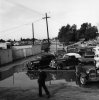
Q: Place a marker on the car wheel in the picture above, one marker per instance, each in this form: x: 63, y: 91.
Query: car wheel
x: 52, y: 64
x: 82, y: 79
x: 36, y: 67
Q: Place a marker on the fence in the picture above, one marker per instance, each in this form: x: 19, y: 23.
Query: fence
x: 5, y: 56
x: 26, y: 52
x: 9, y: 55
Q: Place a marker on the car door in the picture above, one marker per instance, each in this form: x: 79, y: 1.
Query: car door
x: 48, y: 59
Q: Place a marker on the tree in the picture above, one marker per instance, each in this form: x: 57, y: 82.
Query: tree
x: 88, y: 31
x: 71, y: 34
x: 74, y: 33
x: 83, y: 29
x: 68, y: 33
x: 1, y: 40
x: 91, y: 33
x: 63, y: 33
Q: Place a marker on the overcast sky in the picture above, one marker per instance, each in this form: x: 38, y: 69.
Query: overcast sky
x: 16, y: 16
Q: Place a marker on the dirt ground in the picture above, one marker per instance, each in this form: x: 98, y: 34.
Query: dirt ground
x: 58, y: 92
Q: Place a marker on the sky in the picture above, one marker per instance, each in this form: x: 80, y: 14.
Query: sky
x: 17, y: 16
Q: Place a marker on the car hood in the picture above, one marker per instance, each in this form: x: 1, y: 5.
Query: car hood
x: 59, y: 59
x: 36, y: 60
x: 86, y: 59
x: 89, y: 67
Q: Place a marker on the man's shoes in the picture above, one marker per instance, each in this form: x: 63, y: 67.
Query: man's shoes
x: 40, y: 95
x: 48, y: 96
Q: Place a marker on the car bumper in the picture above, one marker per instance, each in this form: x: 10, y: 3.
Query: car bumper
x: 96, y: 78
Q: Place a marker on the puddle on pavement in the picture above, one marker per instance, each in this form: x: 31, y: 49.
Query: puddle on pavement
x: 19, y: 76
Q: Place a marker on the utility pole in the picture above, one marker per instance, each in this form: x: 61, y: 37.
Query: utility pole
x: 47, y: 25
x: 56, y: 45
x: 33, y: 32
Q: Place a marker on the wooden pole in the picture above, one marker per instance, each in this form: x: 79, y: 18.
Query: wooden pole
x: 33, y: 32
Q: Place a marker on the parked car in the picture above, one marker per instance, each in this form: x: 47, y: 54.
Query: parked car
x: 68, y: 62
x: 86, y: 72
x: 86, y: 51
x: 41, y: 62
x: 59, y: 53
x: 88, y: 55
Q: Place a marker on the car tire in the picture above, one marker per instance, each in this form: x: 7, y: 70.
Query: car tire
x: 82, y: 80
x: 77, y: 80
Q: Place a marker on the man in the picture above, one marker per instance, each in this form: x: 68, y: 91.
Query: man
x: 41, y: 83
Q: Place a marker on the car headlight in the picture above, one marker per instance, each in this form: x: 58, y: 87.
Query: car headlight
x: 87, y: 71
x: 90, y: 72
x: 52, y: 64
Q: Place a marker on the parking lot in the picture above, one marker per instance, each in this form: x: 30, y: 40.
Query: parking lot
x: 18, y: 83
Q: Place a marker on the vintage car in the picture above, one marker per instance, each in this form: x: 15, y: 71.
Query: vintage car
x: 67, y: 63
x: 41, y: 62
x: 86, y: 51
x: 86, y: 72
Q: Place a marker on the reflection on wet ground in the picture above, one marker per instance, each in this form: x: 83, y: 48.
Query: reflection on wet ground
x: 92, y: 85
x: 19, y: 76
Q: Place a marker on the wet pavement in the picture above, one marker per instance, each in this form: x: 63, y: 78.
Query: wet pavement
x: 19, y: 76
x: 18, y: 83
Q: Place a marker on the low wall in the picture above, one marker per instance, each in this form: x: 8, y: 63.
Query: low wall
x: 5, y: 56
x: 9, y: 55
x: 18, y: 54
x: 36, y: 49
x: 26, y: 52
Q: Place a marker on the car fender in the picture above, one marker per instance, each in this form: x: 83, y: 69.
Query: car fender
x: 83, y: 74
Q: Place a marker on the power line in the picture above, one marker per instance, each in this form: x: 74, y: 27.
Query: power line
x: 20, y: 26
x: 22, y: 6
x: 13, y: 28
